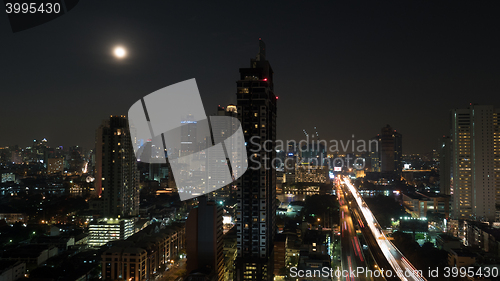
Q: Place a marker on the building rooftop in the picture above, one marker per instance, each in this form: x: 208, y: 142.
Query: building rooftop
x: 464, y: 253
x: 495, y: 232
x: 6, y: 264
x: 27, y: 251
x: 448, y: 238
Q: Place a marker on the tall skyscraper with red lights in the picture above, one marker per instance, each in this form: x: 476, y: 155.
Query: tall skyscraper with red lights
x: 256, y: 189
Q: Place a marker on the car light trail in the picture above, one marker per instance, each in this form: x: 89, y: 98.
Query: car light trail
x: 350, y: 269
x: 400, y: 265
x: 356, y: 242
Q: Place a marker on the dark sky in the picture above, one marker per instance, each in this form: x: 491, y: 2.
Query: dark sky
x: 346, y: 67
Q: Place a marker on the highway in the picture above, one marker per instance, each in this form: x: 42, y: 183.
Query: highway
x: 400, y: 267
x: 352, y: 255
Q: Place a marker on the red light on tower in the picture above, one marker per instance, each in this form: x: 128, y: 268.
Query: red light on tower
x: 276, y: 97
x: 265, y: 79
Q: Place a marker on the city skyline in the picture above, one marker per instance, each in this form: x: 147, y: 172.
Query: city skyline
x: 406, y: 75
x: 272, y: 141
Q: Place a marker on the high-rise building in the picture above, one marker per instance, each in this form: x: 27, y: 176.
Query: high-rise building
x: 475, y: 137
x: 375, y: 154
x: 391, y: 151
x: 226, y: 127
x: 75, y: 159
x: 55, y: 165
x: 117, y: 179
x: 445, y: 171
x: 256, y: 189
x: 204, y: 239
x: 398, y: 153
x: 188, y: 136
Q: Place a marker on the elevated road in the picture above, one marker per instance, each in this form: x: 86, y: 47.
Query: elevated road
x: 394, y: 265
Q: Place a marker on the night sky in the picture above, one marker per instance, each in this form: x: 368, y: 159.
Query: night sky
x: 345, y: 67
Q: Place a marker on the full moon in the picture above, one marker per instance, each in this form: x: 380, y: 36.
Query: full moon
x: 120, y: 52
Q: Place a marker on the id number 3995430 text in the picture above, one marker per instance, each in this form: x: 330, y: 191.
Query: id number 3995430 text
x: 32, y: 8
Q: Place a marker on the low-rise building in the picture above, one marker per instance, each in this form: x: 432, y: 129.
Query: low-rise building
x: 483, y: 236
x: 12, y: 270
x: 312, y: 174
x: 149, y: 250
x: 460, y: 258
x: 447, y: 242
x: 314, y: 265
x: 62, y: 243
x: 13, y: 217
x: 106, y: 230
x: 315, y: 242
x: 420, y: 205
x: 124, y: 263
x: 32, y: 255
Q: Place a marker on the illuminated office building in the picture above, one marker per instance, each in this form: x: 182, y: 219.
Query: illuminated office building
x: 106, y: 230
x: 475, y: 137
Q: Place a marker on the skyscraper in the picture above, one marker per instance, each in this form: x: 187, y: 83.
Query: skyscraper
x: 375, y: 154
x: 256, y: 189
x: 188, y: 136
x: 204, y: 244
x: 117, y: 179
x: 391, y: 151
x: 475, y: 137
x: 226, y: 127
